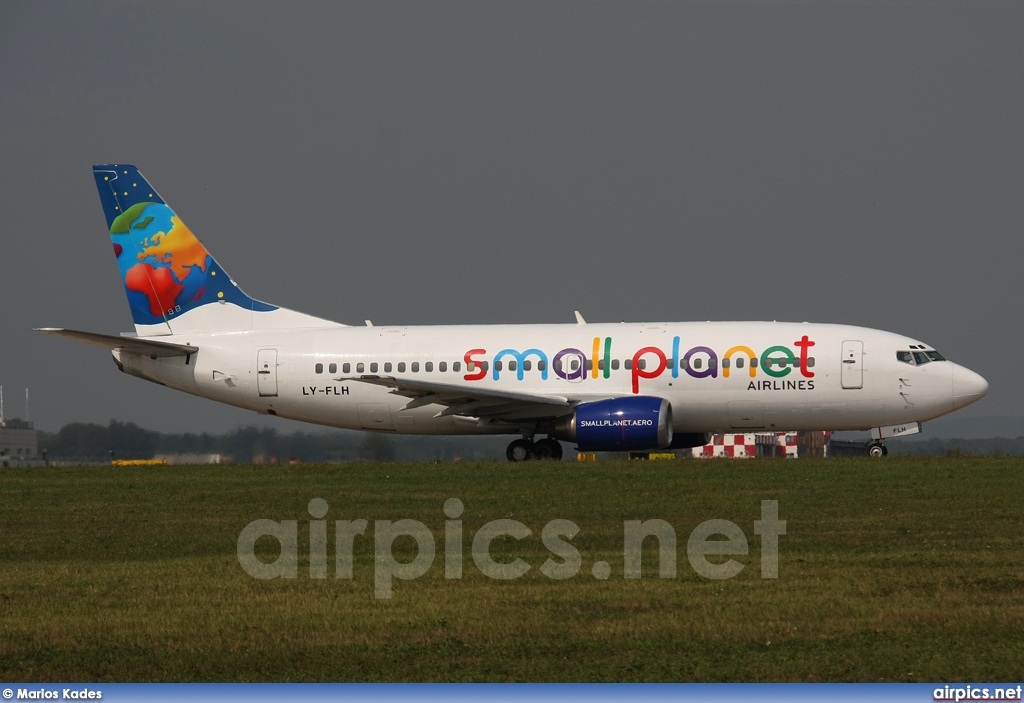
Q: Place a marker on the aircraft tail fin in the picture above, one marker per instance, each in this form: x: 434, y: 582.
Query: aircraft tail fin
x: 172, y: 282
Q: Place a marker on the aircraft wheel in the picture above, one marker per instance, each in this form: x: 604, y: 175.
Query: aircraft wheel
x: 520, y: 450
x: 548, y: 449
x: 877, y: 449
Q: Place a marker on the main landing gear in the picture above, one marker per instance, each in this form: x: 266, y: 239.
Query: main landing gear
x: 877, y: 449
x: 524, y: 450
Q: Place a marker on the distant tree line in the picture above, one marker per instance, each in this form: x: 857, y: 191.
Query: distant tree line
x: 994, y: 446
x: 126, y: 440
x: 79, y: 440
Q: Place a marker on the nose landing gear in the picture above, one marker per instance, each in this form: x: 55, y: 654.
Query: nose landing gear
x: 877, y: 449
x: 525, y: 450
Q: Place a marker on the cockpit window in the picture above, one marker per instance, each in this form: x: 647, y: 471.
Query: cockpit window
x: 918, y: 358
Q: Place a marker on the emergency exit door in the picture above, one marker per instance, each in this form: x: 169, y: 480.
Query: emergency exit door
x: 266, y: 372
x: 853, y: 364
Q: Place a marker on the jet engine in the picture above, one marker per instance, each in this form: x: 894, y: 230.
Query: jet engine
x: 619, y: 424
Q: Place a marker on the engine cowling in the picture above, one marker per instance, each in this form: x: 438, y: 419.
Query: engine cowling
x: 619, y: 424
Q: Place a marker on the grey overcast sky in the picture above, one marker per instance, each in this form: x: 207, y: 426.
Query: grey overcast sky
x: 471, y: 162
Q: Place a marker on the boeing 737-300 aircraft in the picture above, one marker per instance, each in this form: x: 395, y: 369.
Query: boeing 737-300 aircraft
x: 604, y: 387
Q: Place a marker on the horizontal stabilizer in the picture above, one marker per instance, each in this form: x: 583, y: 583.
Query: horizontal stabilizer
x: 130, y: 345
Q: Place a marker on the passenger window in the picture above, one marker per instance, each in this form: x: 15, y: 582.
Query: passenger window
x: 712, y: 363
x: 415, y: 367
x: 590, y: 364
x: 574, y: 365
x: 558, y: 364
x: 670, y: 363
x: 642, y: 364
x: 615, y: 364
x: 527, y: 365
x: 457, y: 366
x: 484, y: 364
x: 512, y: 365
x: 442, y: 366
x: 401, y: 367
x: 810, y: 362
x: 698, y: 362
x: 470, y: 366
x: 498, y: 366
x: 387, y: 367
x: 600, y: 364
x: 627, y: 364
x: 753, y: 363
x: 725, y: 363
x: 429, y: 366
x: 739, y: 362
x: 373, y: 367
x: 541, y: 365
x: 333, y: 368
x: 346, y: 368
x: 360, y: 367
x: 319, y: 368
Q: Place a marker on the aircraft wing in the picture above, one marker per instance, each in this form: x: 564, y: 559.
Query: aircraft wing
x: 131, y: 345
x: 471, y: 402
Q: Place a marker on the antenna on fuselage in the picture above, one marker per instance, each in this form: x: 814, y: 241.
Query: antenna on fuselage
x: 579, y: 318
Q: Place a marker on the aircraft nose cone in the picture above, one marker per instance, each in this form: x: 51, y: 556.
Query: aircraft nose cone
x: 967, y: 387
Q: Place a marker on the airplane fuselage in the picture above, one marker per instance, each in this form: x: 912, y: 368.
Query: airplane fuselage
x: 717, y: 376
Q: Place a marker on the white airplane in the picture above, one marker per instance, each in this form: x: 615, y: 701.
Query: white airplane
x: 604, y: 387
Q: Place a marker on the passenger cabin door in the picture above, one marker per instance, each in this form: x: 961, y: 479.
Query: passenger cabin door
x: 853, y: 364
x: 266, y: 372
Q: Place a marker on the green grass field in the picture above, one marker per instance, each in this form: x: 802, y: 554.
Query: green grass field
x: 905, y: 569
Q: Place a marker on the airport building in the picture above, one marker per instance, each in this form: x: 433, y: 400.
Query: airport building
x: 19, y: 442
